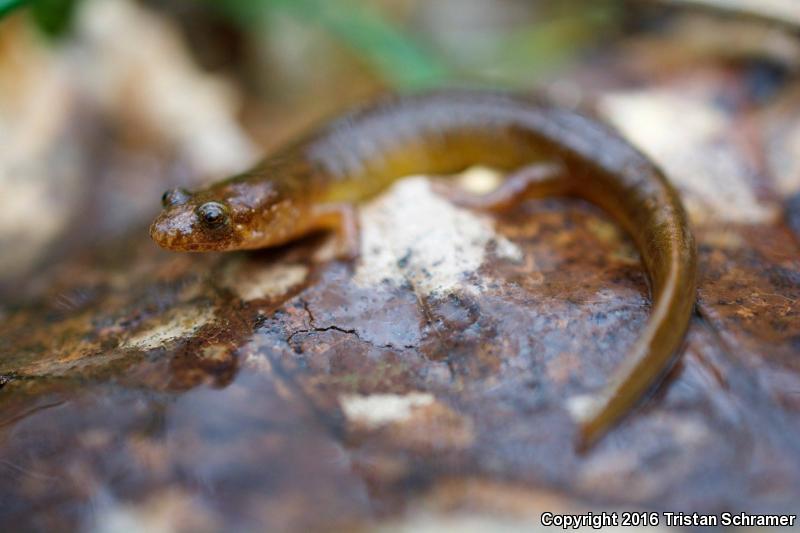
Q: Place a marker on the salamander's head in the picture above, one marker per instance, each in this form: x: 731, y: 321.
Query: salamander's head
x: 231, y: 216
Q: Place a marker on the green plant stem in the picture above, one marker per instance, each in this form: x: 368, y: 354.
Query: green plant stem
x: 395, y: 55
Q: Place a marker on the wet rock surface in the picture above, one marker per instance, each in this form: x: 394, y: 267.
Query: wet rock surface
x: 255, y: 386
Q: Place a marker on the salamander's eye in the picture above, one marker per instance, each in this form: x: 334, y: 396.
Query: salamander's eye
x: 212, y: 214
x: 174, y: 197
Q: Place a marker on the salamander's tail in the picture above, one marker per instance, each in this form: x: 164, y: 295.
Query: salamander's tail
x: 670, y: 258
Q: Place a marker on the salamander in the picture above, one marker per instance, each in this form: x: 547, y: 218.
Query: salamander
x: 314, y: 183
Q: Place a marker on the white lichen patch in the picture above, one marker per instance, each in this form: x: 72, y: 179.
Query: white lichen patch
x: 178, y: 323
x: 689, y: 138
x: 479, y: 180
x: 378, y: 410
x: 413, y: 235
x: 580, y: 407
x: 165, y: 510
x: 271, y: 281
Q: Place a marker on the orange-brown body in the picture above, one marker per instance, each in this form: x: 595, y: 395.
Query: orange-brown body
x: 313, y: 184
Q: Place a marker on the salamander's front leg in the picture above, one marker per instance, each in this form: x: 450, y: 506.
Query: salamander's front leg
x: 342, y: 219
x: 534, y: 181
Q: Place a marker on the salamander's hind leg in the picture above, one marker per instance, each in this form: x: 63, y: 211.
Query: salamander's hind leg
x: 342, y: 219
x: 533, y: 181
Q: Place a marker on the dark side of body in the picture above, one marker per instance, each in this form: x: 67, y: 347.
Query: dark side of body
x: 313, y: 184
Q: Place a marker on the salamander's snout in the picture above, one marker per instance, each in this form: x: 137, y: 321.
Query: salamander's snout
x: 174, y: 229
